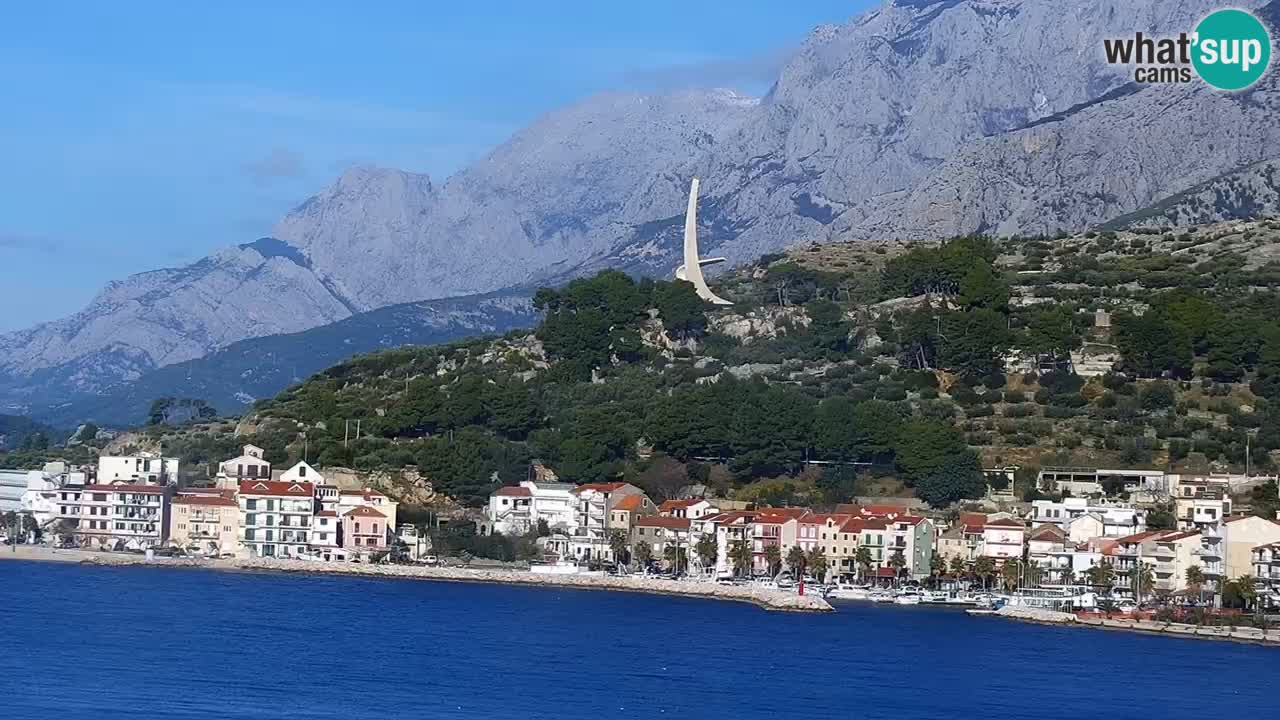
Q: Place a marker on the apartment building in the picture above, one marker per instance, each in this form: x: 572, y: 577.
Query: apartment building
x: 776, y: 527
x: 1173, y: 553
x: 326, y: 535
x: 206, y: 523
x: 912, y: 536
x: 514, y: 509
x: 1003, y: 538
x: 595, y: 502
x: 124, y: 516
x: 1240, y: 535
x: 350, y: 499
x: 661, y: 532
x: 275, y: 518
x: 142, y: 469
x: 1117, y: 520
x: 1266, y: 568
x: 1201, y: 503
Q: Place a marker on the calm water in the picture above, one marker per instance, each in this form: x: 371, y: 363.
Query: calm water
x: 79, y: 643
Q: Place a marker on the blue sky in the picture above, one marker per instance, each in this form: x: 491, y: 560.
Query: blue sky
x: 144, y: 134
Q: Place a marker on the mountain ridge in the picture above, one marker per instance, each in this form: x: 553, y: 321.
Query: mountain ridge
x: 906, y: 121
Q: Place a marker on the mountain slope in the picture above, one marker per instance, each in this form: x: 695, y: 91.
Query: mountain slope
x: 233, y: 377
x: 919, y: 118
x: 165, y: 316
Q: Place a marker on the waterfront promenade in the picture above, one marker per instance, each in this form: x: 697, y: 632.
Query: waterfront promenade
x: 778, y: 600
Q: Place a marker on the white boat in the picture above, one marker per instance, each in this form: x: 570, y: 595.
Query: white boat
x: 910, y: 597
x: 880, y: 596
x: 850, y: 592
x: 949, y: 597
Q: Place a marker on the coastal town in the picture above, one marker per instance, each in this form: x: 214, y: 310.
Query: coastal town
x: 1132, y: 536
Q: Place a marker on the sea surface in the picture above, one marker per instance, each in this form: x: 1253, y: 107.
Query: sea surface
x: 92, y: 643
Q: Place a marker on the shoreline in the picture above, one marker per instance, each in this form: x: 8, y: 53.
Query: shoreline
x: 1249, y: 635
x: 772, y: 600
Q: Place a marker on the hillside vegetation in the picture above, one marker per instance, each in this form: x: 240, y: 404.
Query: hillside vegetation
x: 841, y: 370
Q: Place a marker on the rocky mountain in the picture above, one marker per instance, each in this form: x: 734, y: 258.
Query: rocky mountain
x: 1248, y: 193
x: 921, y: 118
x: 235, y: 376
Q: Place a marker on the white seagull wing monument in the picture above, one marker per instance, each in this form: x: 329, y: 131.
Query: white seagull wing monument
x: 691, y: 270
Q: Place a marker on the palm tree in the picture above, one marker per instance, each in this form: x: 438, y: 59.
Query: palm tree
x: 618, y: 544
x: 1068, y: 576
x: 796, y: 560
x: 1034, y: 574
x: 958, y: 567
x: 773, y: 558
x: 864, y: 560
x: 985, y: 568
x: 1011, y: 573
x: 674, y: 555
x: 707, y: 550
x: 1248, y: 589
x: 817, y: 562
x: 1102, y: 575
x: 1195, y: 581
x: 1143, y: 580
x: 937, y: 568
x: 898, y: 562
x: 643, y: 554
x: 741, y: 556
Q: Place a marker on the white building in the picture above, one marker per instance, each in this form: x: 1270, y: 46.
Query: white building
x: 1118, y: 520
x: 250, y: 465
x: 325, y: 533
x: 1098, y: 482
x: 590, y: 537
x: 142, y: 469
x: 514, y: 509
x: 302, y: 472
x: 124, y: 516
x: 1003, y: 538
x: 275, y: 518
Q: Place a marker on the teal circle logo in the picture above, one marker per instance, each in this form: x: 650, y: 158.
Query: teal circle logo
x: 1232, y: 49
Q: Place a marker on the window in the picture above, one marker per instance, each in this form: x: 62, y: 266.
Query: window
x: 251, y: 504
x: 302, y: 471
x: 357, y: 527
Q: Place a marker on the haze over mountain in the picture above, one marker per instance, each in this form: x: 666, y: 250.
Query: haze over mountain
x: 920, y: 118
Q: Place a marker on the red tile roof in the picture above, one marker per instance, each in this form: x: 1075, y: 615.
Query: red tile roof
x: 1047, y: 532
x: 973, y: 519
x: 367, y: 493
x: 600, y: 487
x: 629, y: 502
x: 327, y: 513
x: 1180, y: 536
x: 663, y: 521
x: 364, y: 511
x: 205, y: 499
x: 278, y: 488
x: 513, y: 491
x: 853, y: 525
x: 908, y: 519
x: 1139, y: 537
x: 836, y: 519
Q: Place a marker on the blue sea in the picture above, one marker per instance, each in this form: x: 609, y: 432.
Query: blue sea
x: 90, y: 643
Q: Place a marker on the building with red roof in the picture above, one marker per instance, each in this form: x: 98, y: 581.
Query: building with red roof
x: 275, y: 518
x: 364, y: 530
x: 206, y: 522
